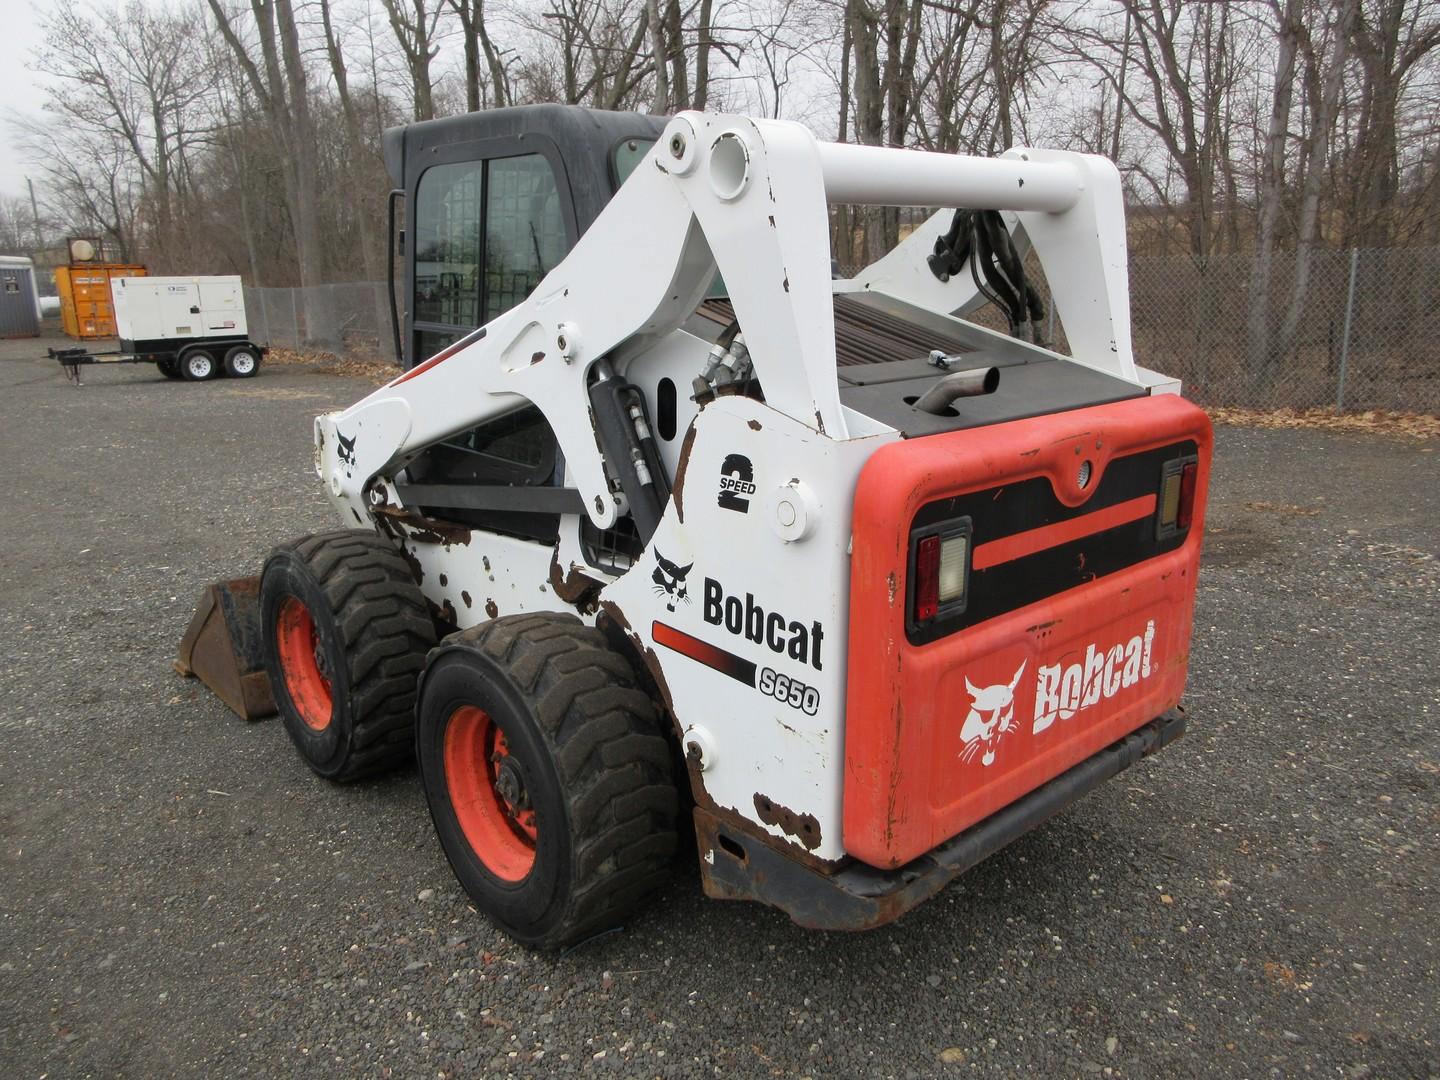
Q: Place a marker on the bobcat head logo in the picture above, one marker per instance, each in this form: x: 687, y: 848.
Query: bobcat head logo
x: 345, y: 451
x: 991, y: 718
x: 670, y: 580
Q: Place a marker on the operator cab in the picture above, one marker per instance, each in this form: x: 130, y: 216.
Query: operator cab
x: 494, y: 200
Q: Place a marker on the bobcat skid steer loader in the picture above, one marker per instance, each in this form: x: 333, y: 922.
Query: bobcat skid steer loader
x: 861, y: 588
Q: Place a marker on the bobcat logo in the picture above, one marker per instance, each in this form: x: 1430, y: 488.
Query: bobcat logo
x: 345, y: 451
x: 991, y: 718
x: 670, y: 580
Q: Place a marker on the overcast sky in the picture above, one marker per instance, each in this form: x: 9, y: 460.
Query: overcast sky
x: 23, y: 93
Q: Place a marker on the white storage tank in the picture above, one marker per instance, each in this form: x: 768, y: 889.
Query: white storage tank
x: 19, y: 299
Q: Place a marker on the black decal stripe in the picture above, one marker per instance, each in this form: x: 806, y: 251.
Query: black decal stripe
x: 712, y: 656
x: 1012, y: 509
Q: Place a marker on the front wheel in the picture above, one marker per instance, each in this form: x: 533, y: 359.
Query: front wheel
x: 345, y: 636
x: 549, y: 783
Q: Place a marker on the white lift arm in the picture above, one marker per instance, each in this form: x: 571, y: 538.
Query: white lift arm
x: 749, y: 197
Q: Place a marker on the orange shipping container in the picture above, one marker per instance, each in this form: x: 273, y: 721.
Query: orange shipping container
x: 86, y: 310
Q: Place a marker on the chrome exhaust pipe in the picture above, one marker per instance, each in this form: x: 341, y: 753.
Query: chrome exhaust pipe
x: 958, y: 384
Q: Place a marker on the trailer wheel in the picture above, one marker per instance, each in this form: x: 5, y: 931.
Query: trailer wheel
x: 197, y: 365
x: 549, y: 783
x: 168, y: 368
x: 346, y: 630
x: 241, y: 361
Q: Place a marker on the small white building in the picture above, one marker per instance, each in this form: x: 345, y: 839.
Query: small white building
x: 19, y: 298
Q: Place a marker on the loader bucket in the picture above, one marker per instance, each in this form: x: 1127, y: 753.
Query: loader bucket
x: 223, y: 648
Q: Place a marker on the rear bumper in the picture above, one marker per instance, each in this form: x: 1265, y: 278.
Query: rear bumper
x: 860, y: 897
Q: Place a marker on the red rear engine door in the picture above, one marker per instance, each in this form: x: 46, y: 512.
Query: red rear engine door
x: 1074, y: 625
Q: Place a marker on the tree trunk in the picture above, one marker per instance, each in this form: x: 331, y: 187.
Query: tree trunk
x: 1272, y: 184
x: 702, y: 56
x: 660, y: 104
x: 1324, y: 96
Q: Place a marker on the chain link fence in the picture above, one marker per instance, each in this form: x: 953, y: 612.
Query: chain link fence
x: 350, y: 319
x: 1364, y: 335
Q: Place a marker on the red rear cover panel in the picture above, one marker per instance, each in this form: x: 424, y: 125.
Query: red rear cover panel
x: 1076, y: 626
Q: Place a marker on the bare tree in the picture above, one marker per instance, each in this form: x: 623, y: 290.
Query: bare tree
x: 138, y: 88
x: 1391, y: 39
x: 280, y: 84
x: 414, y: 24
x: 476, y: 34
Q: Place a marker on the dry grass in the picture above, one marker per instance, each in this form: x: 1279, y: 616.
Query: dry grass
x: 324, y: 363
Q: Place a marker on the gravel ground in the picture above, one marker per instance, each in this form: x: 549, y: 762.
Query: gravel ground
x: 179, y: 896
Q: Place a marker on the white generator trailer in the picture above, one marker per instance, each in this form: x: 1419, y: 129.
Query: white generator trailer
x: 191, y: 328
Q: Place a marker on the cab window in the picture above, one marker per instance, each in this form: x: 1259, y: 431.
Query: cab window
x: 524, y: 230
x: 485, y: 233
x: 447, y: 245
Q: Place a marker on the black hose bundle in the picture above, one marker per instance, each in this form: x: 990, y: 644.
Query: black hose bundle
x: 980, y: 238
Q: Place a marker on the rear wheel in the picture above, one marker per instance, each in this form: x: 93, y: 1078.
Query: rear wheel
x: 197, y: 365
x: 241, y: 361
x: 548, y: 780
x: 346, y: 631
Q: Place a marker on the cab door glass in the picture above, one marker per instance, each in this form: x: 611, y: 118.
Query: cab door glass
x: 524, y: 230
x: 447, y: 244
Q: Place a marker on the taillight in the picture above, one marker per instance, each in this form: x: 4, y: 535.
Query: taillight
x: 940, y: 571
x: 1187, y: 495
x: 1177, y: 496
x: 927, y: 579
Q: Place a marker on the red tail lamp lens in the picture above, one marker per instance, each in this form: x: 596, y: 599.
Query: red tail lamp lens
x: 927, y: 579
x: 1186, y: 510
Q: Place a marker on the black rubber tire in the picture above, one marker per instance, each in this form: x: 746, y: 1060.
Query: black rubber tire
x: 597, y: 770
x: 242, y: 352
x: 191, y: 357
x: 169, y: 368
x: 374, y: 629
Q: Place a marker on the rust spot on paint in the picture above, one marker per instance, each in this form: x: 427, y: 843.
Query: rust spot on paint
x: 804, y: 827
x: 677, y: 489
x: 535, y: 358
x: 573, y: 587
x: 448, y: 610
x: 465, y: 598
x: 753, y: 425
x: 444, y: 580
x: 491, y: 608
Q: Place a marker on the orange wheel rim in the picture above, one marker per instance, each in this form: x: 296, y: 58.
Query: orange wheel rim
x: 303, y: 661
x: 486, y: 788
